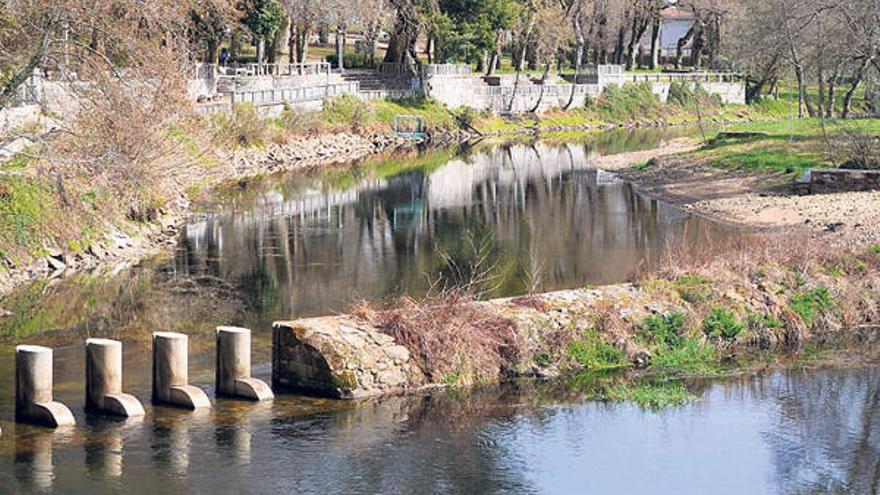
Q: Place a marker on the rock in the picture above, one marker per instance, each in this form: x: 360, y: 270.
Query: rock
x: 55, y: 263
x: 339, y: 358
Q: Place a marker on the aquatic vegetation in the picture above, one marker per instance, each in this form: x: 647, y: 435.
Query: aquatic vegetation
x: 652, y: 395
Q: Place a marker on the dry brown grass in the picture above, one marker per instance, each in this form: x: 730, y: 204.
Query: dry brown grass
x: 451, y: 338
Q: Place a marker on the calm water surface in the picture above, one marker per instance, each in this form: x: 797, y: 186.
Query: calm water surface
x: 530, y: 216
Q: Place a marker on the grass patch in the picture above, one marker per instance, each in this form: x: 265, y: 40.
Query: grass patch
x: 26, y: 205
x: 594, y: 354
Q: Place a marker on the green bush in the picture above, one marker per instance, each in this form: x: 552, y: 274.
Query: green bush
x: 811, y: 303
x: 665, y: 330
x: 722, y: 323
x: 350, y: 60
x: 628, y: 102
x: 350, y: 111
x: 682, y: 94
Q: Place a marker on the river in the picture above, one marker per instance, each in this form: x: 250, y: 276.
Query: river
x: 515, y: 217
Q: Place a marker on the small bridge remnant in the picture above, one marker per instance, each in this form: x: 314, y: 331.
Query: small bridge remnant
x: 339, y: 358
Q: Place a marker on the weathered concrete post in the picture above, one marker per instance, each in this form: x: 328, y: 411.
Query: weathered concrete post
x: 33, y: 389
x: 170, y: 374
x: 233, y: 370
x: 104, y: 380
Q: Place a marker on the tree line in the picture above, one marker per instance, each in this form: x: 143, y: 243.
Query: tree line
x: 829, y: 48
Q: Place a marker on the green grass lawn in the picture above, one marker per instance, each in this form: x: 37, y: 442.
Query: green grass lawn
x: 790, y: 146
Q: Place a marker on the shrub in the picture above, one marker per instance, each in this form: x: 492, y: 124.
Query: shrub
x: 663, y: 330
x: 243, y: 126
x: 350, y: 60
x: 298, y: 121
x: 350, y: 111
x: 628, y: 102
x: 681, y: 93
x: 722, y: 323
x: 811, y: 303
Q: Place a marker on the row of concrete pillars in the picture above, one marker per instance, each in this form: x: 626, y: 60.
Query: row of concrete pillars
x: 34, y: 402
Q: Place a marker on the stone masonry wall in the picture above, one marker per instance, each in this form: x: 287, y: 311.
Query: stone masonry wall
x: 338, y: 358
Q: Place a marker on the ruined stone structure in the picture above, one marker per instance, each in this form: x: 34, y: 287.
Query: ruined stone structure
x: 338, y: 358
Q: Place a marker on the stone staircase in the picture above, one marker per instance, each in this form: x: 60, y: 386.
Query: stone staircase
x: 372, y: 81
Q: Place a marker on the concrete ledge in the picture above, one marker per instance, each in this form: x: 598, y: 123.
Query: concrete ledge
x: 253, y: 389
x: 335, y: 357
x: 189, y: 397
x: 124, y: 405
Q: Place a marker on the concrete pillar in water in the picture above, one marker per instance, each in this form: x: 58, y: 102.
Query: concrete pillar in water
x: 33, y: 389
x: 170, y: 374
x: 104, y: 380
x: 233, y: 370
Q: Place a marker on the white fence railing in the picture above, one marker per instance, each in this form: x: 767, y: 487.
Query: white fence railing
x: 446, y: 70
x: 295, y: 95
x: 302, y: 69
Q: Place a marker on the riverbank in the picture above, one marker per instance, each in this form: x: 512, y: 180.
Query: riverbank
x: 750, y: 180
x: 126, y: 242
x: 51, y: 229
x: 704, y: 311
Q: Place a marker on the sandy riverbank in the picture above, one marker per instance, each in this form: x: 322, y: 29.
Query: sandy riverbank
x: 751, y: 199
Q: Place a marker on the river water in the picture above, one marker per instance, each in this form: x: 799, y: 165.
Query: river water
x: 518, y: 217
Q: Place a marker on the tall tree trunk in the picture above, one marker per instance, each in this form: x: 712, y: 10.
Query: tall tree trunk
x: 340, y: 47
x: 543, y: 84
x: 292, y: 43
x: 799, y: 75
x: 681, y: 44
x: 655, y: 43
x: 856, y: 80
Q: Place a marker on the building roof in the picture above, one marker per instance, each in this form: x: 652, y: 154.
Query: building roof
x: 677, y: 13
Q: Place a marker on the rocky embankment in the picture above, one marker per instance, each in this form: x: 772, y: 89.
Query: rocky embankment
x: 125, y: 244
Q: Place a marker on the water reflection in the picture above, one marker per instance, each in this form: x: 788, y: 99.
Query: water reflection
x: 794, y: 432
x: 551, y: 220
